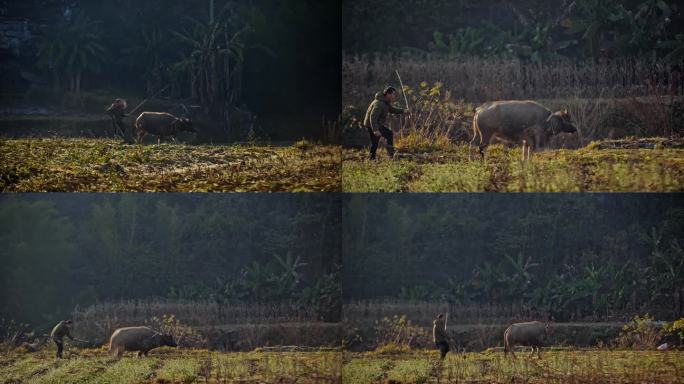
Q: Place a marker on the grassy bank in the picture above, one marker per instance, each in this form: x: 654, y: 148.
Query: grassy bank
x: 99, y: 165
x: 593, y: 366
x: 171, y: 366
x: 582, y: 170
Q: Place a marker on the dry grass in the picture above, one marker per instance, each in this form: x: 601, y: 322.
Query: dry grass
x: 166, y: 365
x: 424, y: 312
x: 479, y: 80
x: 103, y: 165
x: 590, y: 366
x: 197, y: 313
x: 209, y: 324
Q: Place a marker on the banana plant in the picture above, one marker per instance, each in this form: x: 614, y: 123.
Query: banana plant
x: 147, y: 56
x: 71, y: 48
x: 213, y: 56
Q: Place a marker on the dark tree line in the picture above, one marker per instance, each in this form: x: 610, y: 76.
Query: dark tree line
x: 569, y: 255
x: 62, y: 251
x: 527, y: 29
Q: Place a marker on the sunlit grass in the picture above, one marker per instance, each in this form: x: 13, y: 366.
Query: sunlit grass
x: 593, y: 366
x: 169, y: 365
x: 96, y: 165
x: 179, y: 369
x: 586, y: 169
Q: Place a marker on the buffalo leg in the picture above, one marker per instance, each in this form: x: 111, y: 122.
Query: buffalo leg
x: 509, y: 348
x: 141, y: 135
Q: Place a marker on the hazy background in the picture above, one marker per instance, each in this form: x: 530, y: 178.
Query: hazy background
x: 570, y: 257
x: 65, y: 252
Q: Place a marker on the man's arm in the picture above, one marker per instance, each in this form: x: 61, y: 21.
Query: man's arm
x: 395, y: 110
x: 68, y: 334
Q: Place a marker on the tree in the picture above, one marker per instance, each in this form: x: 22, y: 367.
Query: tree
x: 70, y: 48
x: 213, y: 59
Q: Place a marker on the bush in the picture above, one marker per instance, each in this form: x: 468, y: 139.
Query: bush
x: 397, y: 334
x: 182, y: 334
x: 641, y: 333
x: 676, y: 329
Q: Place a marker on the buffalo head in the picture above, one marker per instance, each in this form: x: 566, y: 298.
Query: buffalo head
x: 560, y: 121
x: 185, y: 124
x: 164, y: 339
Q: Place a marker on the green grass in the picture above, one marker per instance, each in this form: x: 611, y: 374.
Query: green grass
x: 593, y: 366
x: 101, y: 165
x: 180, y: 369
x: 168, y: 365
x: 582, y: 170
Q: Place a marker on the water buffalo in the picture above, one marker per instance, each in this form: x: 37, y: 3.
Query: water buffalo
x: 518, y: 121
x: 530, y: 334
x: 140, y: 339
x: 161, y: 124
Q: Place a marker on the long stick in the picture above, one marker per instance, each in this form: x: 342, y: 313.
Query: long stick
x: 402, y: 88
x: 446, y: 319
x: 144, y: 101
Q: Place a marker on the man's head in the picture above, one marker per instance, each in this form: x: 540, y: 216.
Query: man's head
x: 390, y: 93
x: 440, y: 316
x: 68, y: 322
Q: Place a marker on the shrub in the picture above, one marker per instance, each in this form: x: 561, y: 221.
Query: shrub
x: 676, y: 328
x: 397, y: 334
x: 182, y: 334
x: 642, y: 332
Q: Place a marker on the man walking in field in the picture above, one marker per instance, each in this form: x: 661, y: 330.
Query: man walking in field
x: 58, y: 332
x: 439, y: 335
x: 375, y: 120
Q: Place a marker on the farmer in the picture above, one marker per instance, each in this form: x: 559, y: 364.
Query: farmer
x: 58, y: 332
x: 439, y: 335
x: 376, y: 119
x: 117, y: 111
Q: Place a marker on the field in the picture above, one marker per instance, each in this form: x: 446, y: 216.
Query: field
x: 103, y: 165
x: 589, y: 169
x: 591, y: 366
x: 168, y: 365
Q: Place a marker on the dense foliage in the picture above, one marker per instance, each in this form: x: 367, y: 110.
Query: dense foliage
x: 568, y: 255
x: 529, y: 29
x: 61, y: 251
